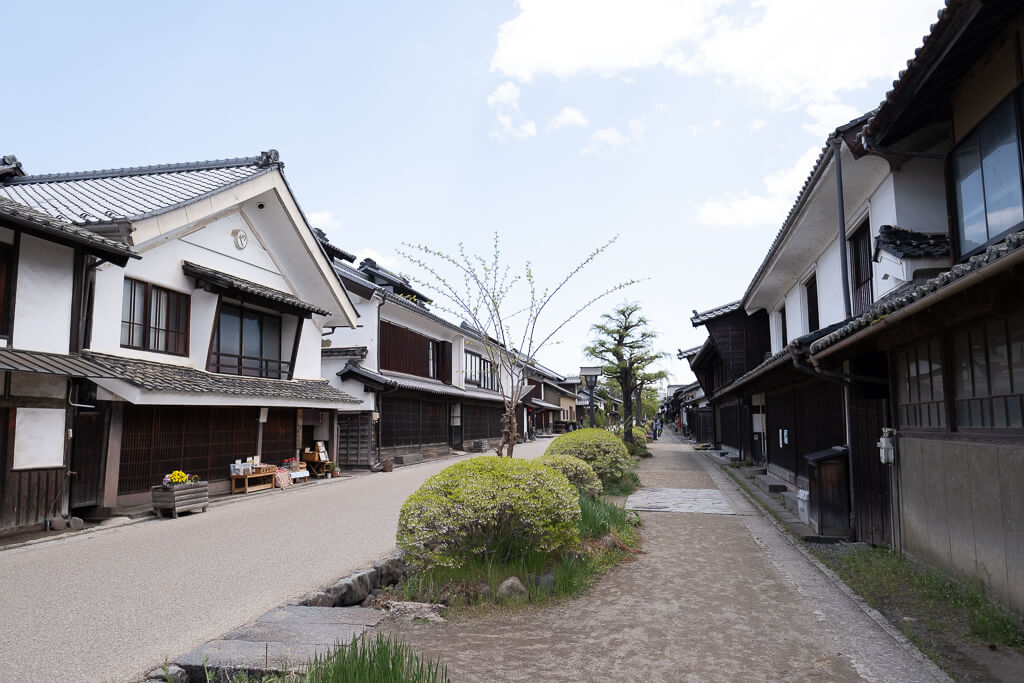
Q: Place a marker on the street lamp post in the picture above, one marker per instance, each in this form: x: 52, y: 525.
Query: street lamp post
x: 589, y: 375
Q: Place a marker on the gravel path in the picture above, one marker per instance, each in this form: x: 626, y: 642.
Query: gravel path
x: 113, y: 604
x: 714, y: 598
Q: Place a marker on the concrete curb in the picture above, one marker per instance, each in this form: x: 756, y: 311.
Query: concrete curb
x: 854, y: 597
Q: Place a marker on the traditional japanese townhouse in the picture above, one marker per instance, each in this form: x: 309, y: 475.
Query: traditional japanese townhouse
x: 426, y: 385
x: 543, y: 399
x: 737, y: 343
x: 570, y: 390
x: 819, y: 272
x: 45, y: 267
x: 954, y: 345
x: 211, y: 342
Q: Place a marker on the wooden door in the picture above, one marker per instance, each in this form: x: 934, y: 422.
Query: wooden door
x: 872, y: 504
x: 87, y: 459
x: 781, y: 437
x: 355, y: 440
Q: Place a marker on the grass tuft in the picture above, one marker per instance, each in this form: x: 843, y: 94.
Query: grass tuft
x: 380, y: 659
x: 623, y: 486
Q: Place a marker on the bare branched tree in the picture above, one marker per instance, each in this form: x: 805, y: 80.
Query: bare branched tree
x: 504, y: 309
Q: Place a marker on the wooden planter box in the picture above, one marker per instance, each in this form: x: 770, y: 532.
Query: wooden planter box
x: 180, y: 498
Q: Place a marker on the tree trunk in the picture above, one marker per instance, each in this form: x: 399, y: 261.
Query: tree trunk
x: 625, y: 382
x: 508, y: 433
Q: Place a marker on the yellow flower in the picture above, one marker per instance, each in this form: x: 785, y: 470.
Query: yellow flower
x: 178, y: 477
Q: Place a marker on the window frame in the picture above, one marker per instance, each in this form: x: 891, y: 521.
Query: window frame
x: 952, y: 399
x: 813, y: 312
x: 1016, y: 101
x: 284, y: 367
x: 146, y: 324
x: 480, y: 371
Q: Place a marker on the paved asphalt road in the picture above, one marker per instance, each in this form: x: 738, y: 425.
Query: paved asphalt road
x: 113, y: 604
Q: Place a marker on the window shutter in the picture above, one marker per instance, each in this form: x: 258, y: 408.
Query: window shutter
x: 446, y: 362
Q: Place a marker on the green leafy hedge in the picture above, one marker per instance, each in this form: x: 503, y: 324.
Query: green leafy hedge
x: 603, y: 451
x: 488, y: 507
x: 579, y: 473
x: 639, y: 435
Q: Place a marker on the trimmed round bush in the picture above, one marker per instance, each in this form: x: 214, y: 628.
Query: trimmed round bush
x: 603, y: 451
x: 639, y: 435
x: 580, y: 474
x: 488, y: 508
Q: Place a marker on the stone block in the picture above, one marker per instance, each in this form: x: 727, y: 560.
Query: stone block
x: 390, y: 572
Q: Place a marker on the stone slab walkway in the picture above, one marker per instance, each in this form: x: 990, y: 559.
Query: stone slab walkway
x: 283, y: 639
x: 705, y: 501
x: 713, y: 598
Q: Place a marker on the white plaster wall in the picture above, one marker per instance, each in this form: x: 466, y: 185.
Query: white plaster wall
x: 830, y: 286
x: 211, y: 246
x: 888, y: 265
x: 363, y: 335
x: 42, y: 310
x: 307, y: 363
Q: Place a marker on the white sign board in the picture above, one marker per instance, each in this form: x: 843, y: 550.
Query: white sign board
x: 38, y: 438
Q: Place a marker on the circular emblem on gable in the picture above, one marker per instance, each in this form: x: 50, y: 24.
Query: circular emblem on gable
x: 241, y: 239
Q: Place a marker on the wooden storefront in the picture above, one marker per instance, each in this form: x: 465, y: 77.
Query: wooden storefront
x: 201, y: 440
x: 356, y: 440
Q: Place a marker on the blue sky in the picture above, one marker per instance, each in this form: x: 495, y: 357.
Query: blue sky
x: 686, y: 128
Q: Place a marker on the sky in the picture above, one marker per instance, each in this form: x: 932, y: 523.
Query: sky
x: 685, y: 128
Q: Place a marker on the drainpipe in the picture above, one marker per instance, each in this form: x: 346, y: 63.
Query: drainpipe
x: 837, y: 146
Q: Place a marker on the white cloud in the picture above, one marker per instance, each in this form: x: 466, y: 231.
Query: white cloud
x: 759, y: 210
x: 780, y: 51
x: 636, y: 129
x: 757, y: 124
x: 827, y: 117
x: 603, y: 141
x: 570, y: 37
x: 324, y: 220
x: 569, y: 116
x: 511, y: 122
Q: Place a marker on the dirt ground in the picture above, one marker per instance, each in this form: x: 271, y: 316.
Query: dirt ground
x: 713, y: 598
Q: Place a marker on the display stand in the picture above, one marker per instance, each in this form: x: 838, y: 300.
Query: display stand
x: 262, y: 477
x: 317, y: 461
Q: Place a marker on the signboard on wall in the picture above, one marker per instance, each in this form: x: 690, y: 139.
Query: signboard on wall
x: 38, y: 438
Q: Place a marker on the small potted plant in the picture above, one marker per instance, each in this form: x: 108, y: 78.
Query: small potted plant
x: 180, y: 492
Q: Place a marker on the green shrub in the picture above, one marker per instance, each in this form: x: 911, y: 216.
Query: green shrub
x: 639, y: 436
x: 579, y: 473
x: 606, y: 454
x: 488, y: 508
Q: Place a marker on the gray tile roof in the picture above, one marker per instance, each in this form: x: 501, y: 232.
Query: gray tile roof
x: 219, y: 280
x: 686, y: 354
x: 153, y: 376
x: 69, y: 365
x: 354, y: 352
x: 932, y: 287
x: 909, y: 244
x: 432, y: 386
x: 45, y: 225
x: 133, y: 193
x: 699, y: 319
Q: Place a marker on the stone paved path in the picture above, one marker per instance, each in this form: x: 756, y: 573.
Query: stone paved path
x: 715, y: 597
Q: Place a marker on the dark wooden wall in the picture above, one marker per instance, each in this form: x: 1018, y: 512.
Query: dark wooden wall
x: 812, y: 413
x: 199, y: 440
x: 403, y: 350
x: 26, y: 496
x: 355, y: 440
x: 742, y: 340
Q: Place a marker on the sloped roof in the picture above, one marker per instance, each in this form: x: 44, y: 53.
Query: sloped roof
x: 354, y: 352
x: 134, y: 193
x: 47, y: 226
x: 153, y: 376
x: 699, y: 319
x: 963, y: 30
x: 848, y: 133
x: 223, y: 281
x: 686, y: 354
x: 909, y: 244
x: 931, y: 288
